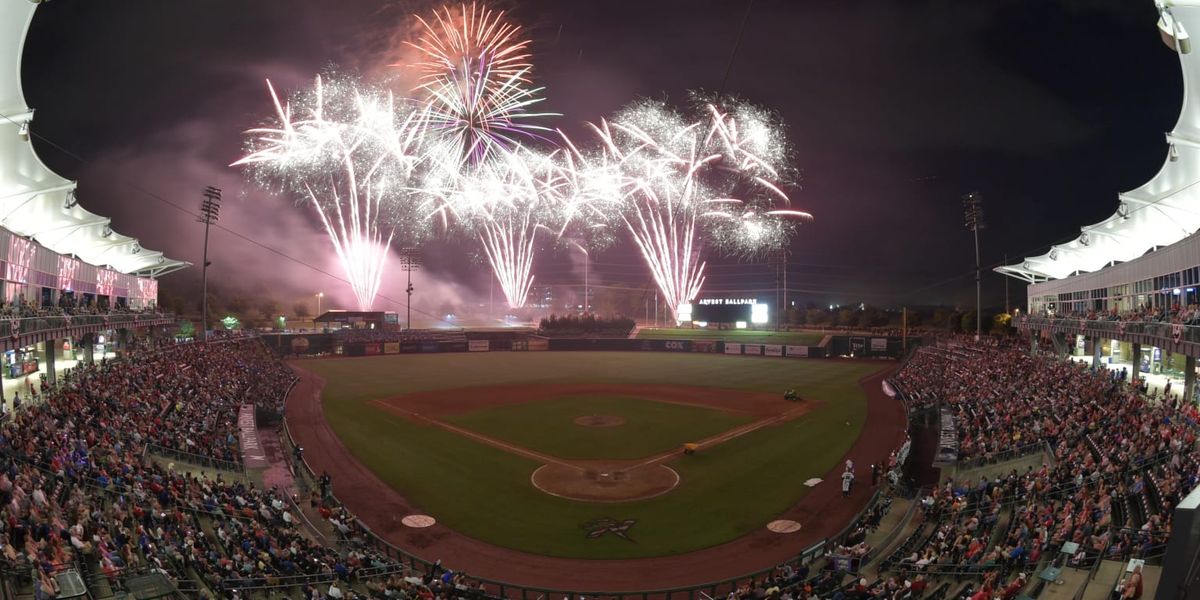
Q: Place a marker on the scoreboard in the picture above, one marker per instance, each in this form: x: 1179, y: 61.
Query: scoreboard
x: 725, y: 310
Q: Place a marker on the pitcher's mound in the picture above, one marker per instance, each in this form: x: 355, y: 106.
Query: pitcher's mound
x: 599, y: 421
x: 598, y: 481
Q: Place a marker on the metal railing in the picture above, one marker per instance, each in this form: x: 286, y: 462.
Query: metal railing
x: 17, y: 326
x: 199, y: 460
x: 1173, y: 332
x: 1003, y: 456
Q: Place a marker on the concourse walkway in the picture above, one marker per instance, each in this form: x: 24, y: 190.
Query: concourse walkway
x: 12, y: 386
x: 1157, y: 382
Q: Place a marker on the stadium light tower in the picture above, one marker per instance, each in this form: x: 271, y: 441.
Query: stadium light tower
x: 410, y: 260
x: 587, y: 258
x: 210, y: 211
x: 973, y: 215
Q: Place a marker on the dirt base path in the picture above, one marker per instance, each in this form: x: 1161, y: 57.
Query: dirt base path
x: 613, y: 480
x: 822, y: 512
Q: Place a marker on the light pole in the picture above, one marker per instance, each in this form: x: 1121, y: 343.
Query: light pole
x: 210, y: 211
x: 409, y: 261
x: 973, y: 215
x: 587, y: 258
x: 319, y: 296
x: 780, y: 261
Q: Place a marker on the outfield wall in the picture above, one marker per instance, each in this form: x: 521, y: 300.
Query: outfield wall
x: 317, y: 344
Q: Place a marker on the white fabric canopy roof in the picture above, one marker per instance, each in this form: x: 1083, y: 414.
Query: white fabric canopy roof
x: 1164, y: 210
x: 34, y: 201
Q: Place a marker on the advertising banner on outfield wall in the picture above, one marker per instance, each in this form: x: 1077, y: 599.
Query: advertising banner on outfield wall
x: 478, y: 345
x: 667, y: 345
x: 755, y: 349
x: 371, y: 348
x: 621, y: 344
x: 797, y: 351
x: 878, y: 344
x: 733, y: 348
x: 429, y: 348
x: 538, y: 344
x: 391, y: 347
x: 704, y: 345
x: 410, y: 347
x: 773, y: 350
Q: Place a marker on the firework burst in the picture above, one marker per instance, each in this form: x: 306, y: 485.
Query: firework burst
x: 508, y: 204
x: 478, y: 115
x: 676, y: 182
x: 352, y: 153
x: 460, y: 37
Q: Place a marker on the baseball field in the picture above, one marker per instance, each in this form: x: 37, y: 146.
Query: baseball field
x: 578, y: 454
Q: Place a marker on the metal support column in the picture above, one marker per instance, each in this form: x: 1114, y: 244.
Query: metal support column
x: 50, y: 347
x: 1189, y: 378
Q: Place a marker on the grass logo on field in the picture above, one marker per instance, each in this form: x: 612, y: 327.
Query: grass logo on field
x: 597, y: 528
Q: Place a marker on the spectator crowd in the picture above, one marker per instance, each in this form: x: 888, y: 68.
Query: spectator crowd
x: 1116, y: 462
x: 78, y: 491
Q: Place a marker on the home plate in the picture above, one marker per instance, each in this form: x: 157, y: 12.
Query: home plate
x: 418, y: 520
x: 813, y: 482
x: 783, y: 526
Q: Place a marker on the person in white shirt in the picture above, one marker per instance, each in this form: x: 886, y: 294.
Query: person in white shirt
x: 334, y: 590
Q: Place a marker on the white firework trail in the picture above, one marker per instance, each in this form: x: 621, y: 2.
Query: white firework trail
x: 352, y: 153
x: 679, y: 183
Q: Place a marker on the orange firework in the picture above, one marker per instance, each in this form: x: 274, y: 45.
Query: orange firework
x: 470, y: 38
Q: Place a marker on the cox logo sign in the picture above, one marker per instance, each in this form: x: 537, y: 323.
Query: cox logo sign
x: 669, y: 345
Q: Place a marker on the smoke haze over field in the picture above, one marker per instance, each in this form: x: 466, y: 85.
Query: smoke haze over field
x: 1047, y: 107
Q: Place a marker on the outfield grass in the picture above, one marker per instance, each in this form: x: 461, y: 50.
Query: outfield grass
x: 485, y: 493
x: 739, y: 336
x: 548, y: 426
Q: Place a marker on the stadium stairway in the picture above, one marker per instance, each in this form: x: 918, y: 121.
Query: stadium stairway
x: 1111, y: 572
x: 900, y: 522
x: 1101, y: 586
x: 1151, y: 575
x: 1072, y: 581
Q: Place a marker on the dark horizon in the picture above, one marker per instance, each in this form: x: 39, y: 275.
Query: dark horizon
x: 1048, y: 109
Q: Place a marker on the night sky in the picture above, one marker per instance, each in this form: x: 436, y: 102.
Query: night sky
x: 1049, y: 108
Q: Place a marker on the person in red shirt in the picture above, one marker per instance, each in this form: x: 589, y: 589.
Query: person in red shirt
x: 918, y: 586
x: 985, y: 590
x: 1012, y: 589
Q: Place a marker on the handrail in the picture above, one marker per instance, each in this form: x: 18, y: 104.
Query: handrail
x: 1181, y: 332
x: 957, y: 569
x: 17, y: 326
x: 1017, y: 453
x: 202, y: 460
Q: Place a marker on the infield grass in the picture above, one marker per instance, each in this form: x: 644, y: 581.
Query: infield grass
x: 484, y: 492
x: 737, y: 336
x: 650, y: 427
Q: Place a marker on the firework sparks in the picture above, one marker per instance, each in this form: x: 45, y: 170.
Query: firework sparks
x: 677, y: 182
x: 508, y: 203
x: 351, y: 152
x: 478, y: 112
x: 456, y: 38
x: 468, y: 122
x: 474, y: 74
